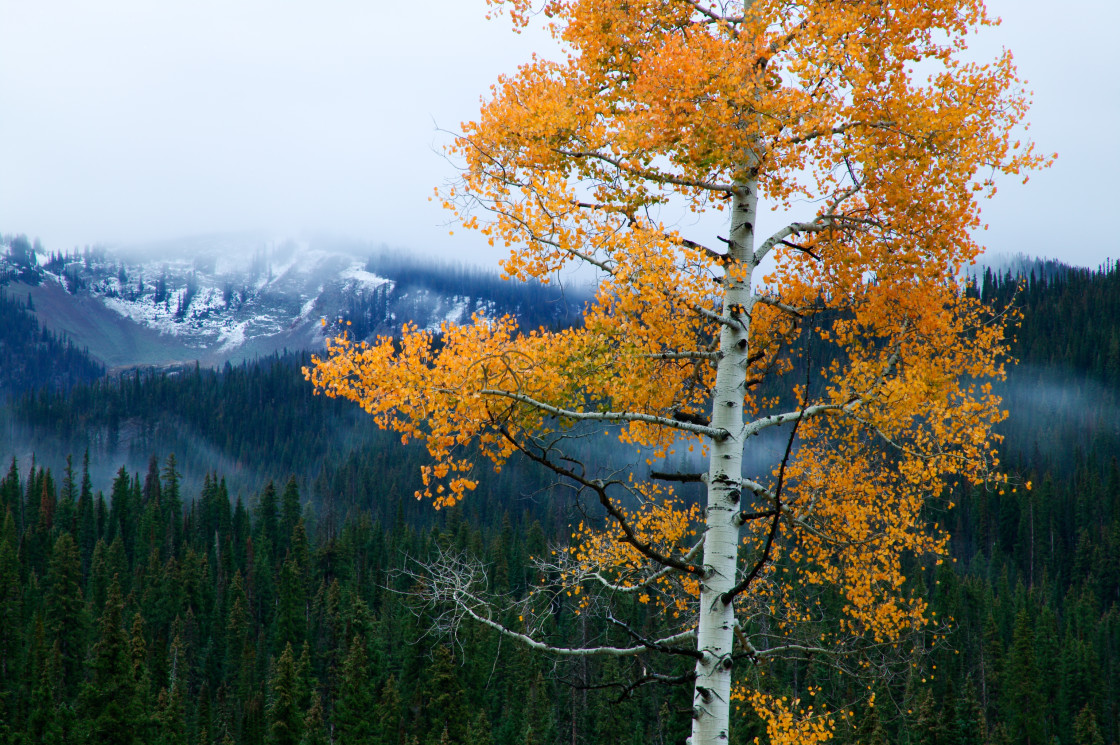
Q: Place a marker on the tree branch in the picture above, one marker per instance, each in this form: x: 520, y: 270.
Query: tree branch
x: 573, y: 651
x: 608, y: 416
x: 684, y: 478
x: 822, y: 223
x: 779, y: 305
x: 774, y: 420
x: 600, y: 488
x: 730, y: 595
x: 654, y: 645
x: 659, y: 178
x: 451, y: 579
x: 697, y: 354
x: 838, y: 129
x: 629, y: 686
x: 711, y: 15
x: 664, y: 571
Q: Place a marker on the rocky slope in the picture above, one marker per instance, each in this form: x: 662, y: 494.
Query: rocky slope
x: 225, y: 299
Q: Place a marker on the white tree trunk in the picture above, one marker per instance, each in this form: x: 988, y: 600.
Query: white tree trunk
x: 715, y: 634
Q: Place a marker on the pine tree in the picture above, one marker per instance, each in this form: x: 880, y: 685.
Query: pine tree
x: 170, y: 718
x: 141, y: 681
x: 29, y: 513
x: 107, y: 699
x: 44, y: 725
x: 66, y: 519
x: 1085, y: 729
x: 387, y: 715
x: 66, y: 617
x: 240, y: 652
x: 314, y: 728
x: 151, y: 490
x: 991, y: 651
x: 122, y: 513
x: 870, y: 730
x: 285, y: 720
x: 10, y: 491
x: 929, y: 726
x: 305, y: 679
x: 172, y: 501
x: 971, y: 727
x: 479, y: 733
x: 268, y: 519
x: 99, y: 575
x: 11, y: 614
x: 87, y: 521
x: 540, y: 728
x: 291, y: 618
x: 354, y: 703
x: 444, y: 705
x: 289, y: 512
x: 1022, y: 701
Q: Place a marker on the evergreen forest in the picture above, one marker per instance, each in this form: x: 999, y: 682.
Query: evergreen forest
x: 219, y: 557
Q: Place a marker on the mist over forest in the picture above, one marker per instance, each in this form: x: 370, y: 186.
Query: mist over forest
x: 194, y: 544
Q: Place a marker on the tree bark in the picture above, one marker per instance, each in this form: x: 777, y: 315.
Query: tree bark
x: 715, y: 633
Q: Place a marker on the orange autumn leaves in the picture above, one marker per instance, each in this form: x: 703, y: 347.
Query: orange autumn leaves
x: 483, y: 385
x: 862, y: 125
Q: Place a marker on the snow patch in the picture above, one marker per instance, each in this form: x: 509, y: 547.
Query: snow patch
x: 305, y: 310
x: 358, y: 274
x: 454, y: 316
x: 231, y: 337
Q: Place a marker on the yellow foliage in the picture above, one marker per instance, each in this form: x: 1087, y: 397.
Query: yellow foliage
x: 787, y: 722
x: 861, y: 120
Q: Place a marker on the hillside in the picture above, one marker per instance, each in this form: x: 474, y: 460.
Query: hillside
x: 223, y: 299
x: 32, y: 357
x: 1032, y: 596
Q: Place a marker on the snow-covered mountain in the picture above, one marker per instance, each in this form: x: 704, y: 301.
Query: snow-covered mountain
x: 230, y: 298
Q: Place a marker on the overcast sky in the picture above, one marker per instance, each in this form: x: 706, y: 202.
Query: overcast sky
x: 128, y: 121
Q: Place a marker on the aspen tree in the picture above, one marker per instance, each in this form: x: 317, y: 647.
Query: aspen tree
x: 863, y: 128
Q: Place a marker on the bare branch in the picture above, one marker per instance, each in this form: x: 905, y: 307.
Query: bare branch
x: 826, y: 221
x: 454, y: 583
x: 802, y: 249
x: 629, y: 686
x: 684, y: 416
x: 786, y: 651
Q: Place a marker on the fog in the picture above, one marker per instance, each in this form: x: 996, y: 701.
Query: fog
x: 130, y: 123
x: 1057, y: 414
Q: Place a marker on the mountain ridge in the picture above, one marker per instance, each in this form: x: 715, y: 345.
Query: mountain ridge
x: 230, y: 299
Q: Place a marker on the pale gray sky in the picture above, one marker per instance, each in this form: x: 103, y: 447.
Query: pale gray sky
x: 127, y: 121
